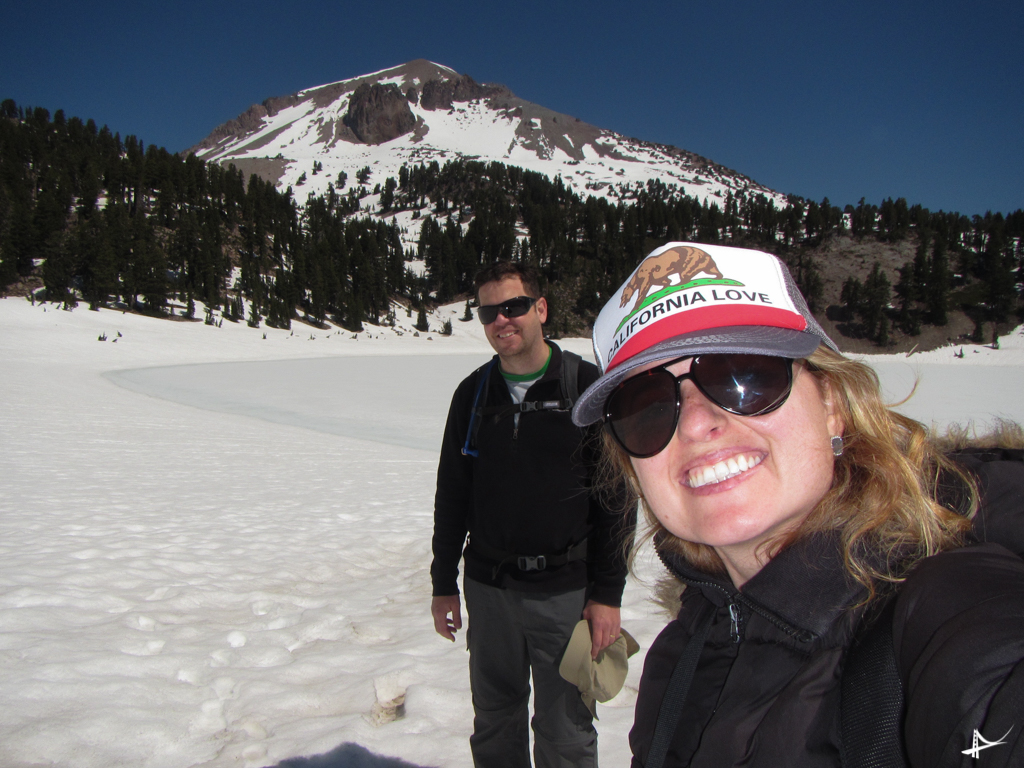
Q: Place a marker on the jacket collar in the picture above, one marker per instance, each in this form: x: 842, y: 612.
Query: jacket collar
x: 804, y: 589
x: 554, y: 370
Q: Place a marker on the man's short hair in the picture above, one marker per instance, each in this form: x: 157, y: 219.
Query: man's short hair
x: 500, y: 270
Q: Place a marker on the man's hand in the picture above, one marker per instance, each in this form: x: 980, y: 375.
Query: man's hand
x: 604, y: 626
x: 444, y: 605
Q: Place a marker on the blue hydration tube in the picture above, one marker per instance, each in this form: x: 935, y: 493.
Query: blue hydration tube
x: 466, y: 450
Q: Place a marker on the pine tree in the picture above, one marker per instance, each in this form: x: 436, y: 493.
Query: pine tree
x: 96, y: 261
x: 421, y: 320
x: 58, y: 270
x: 877, y: 294
x: 882, y: 334
x: 254, y: 316
x: 997, y: 272
x: 809, y: 281
x: 908, y: 291
x: 937, y: 298
x: 387, y: 196
x: 851, y: 298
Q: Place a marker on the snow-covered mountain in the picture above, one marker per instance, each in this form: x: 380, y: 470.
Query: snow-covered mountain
x: 421, y: 112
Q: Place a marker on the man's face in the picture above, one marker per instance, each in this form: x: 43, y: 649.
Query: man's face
x: 518, y: 337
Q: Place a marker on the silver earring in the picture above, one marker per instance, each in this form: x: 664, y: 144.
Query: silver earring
x: 837, y: 445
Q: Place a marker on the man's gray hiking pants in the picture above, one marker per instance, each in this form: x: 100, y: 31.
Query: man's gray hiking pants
x: 509, y: 633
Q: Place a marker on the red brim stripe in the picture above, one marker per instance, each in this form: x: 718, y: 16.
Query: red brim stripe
x: 706, y: 319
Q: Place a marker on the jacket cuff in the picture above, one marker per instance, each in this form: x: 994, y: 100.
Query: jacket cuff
x: 445, y: 588
x: 607, y: 594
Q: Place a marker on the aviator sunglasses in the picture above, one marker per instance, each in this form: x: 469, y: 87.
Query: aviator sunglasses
x: 516, y: 307
x: 642, y: 412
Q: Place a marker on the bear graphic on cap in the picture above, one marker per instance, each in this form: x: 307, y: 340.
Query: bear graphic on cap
x: 656, y: 271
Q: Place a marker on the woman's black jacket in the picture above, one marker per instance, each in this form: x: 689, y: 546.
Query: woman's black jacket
x: 766, y: 689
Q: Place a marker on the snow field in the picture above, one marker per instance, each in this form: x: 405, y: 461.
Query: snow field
x: 184, y: 587
x: 222, y: 558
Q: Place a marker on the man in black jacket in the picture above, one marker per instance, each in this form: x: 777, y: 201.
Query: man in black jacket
x: 516, y: 475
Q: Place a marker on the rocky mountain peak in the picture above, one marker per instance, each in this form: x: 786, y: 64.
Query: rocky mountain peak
x: 421, y: 112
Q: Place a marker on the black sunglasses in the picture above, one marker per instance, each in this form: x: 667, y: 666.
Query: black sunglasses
x: 642, y: 412
x: 516, y: 307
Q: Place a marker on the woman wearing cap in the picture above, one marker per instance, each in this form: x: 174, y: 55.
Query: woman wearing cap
x: 802, y: 514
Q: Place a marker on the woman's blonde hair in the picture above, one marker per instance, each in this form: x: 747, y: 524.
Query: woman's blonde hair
x: 883, y: 499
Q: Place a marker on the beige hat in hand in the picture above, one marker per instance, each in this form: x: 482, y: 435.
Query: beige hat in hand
x: 598, y: 679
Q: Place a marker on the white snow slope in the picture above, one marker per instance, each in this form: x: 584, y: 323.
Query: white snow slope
x: 307, y: 127
x: 214, y: 546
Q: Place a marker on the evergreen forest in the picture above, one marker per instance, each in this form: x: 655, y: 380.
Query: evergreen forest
x: 89, y: 217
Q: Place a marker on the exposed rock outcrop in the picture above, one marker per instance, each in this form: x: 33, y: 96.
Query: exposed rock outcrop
x: 441, y: 94
x: 379, y: 113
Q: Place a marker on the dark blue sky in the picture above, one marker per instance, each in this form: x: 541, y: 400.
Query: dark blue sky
x: 923, y: 100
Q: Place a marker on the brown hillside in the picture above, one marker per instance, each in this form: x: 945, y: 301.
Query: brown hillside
x: 841, y: 257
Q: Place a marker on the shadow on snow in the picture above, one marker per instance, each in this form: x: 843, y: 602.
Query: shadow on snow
x: 348, y: 755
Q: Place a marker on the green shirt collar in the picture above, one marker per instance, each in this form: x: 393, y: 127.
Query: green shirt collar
x: 529, y: 376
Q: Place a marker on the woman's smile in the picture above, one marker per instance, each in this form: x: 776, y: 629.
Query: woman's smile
x: 712, y: 474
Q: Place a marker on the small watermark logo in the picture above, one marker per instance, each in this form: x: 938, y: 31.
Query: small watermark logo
x: 980, y: 743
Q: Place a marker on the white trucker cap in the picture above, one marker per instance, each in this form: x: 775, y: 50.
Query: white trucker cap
x: 691, y: 299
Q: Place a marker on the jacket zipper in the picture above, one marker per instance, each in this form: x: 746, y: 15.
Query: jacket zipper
x: 734, y: 604
x: 735, y: 631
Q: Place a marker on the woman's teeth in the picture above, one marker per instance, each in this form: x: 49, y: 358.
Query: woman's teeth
x: 723, y: 470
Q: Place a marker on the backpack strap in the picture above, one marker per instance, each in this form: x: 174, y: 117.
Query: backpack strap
x: 675, y: 694
x: 872, y: 705
x: 570, y: 378
x: 484, y: 374
x: 499, y: 412
x: 570, y: 391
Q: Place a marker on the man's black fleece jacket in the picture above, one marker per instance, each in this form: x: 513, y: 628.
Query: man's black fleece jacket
x: 529, y: 492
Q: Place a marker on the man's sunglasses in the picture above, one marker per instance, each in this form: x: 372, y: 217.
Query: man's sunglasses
x: 516, y: 307
x: 642, y: 412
